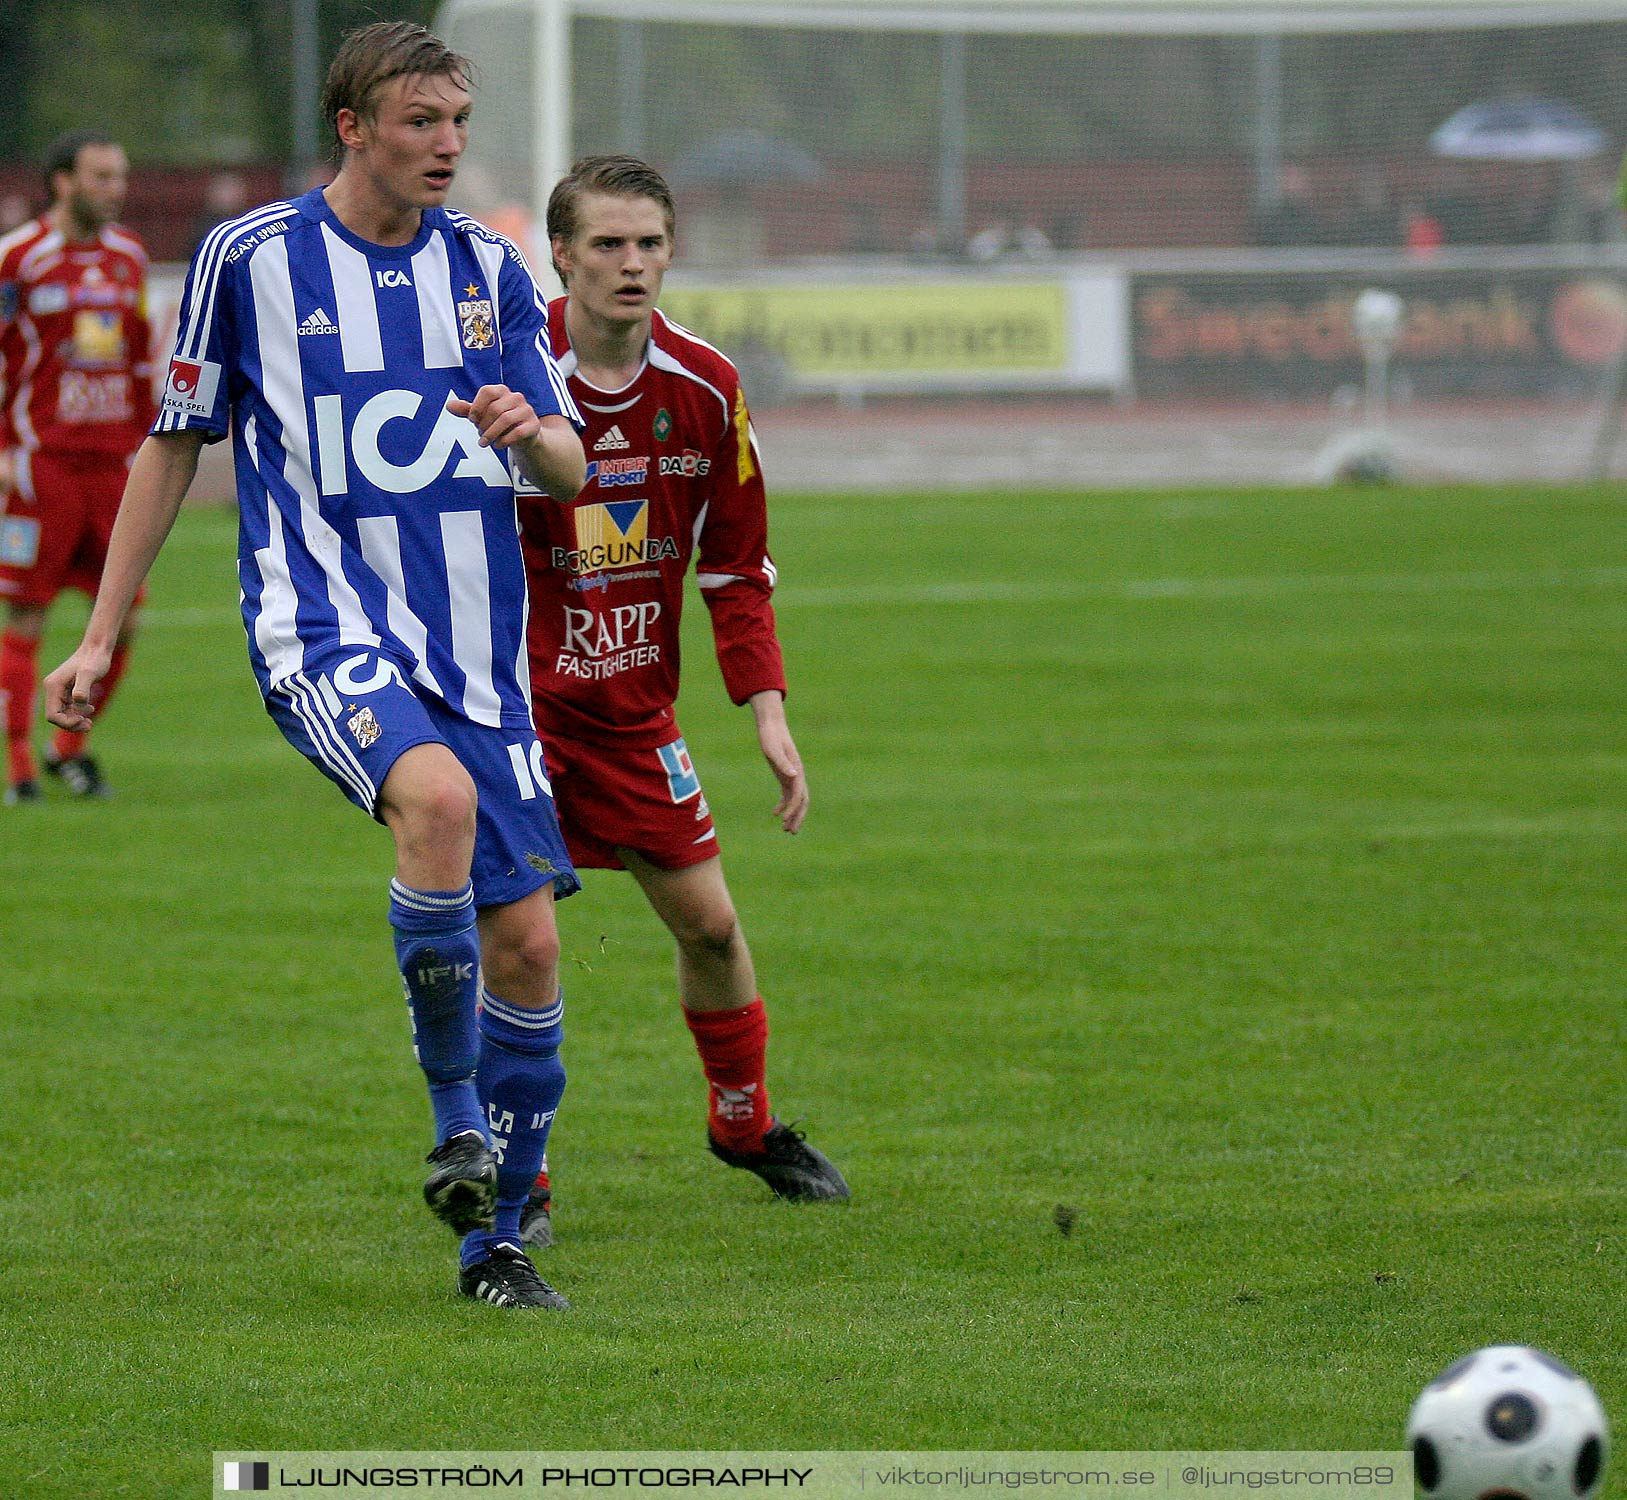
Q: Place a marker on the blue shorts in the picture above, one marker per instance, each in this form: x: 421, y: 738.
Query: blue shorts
x: 354, y: 737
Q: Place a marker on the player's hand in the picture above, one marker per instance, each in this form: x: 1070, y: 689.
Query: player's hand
x: 8, y: 473
x: 780, y: 751
x: 503, y: 417
x: 68, y: 690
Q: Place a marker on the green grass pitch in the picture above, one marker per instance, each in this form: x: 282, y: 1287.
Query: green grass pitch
x: 1243, y: 872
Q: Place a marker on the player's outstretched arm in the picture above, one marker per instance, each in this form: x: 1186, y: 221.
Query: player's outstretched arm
x: 780, y: 750
x: 163, y: 470
x: 547, y: 448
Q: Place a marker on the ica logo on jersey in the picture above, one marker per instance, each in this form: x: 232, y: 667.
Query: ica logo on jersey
x: 399, y: 472
x: 391, y: 278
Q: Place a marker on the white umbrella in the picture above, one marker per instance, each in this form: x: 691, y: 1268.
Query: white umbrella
x: 1519, y: 130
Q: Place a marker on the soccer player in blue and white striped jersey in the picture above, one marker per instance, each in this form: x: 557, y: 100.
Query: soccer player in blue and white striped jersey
x: 383, y: 368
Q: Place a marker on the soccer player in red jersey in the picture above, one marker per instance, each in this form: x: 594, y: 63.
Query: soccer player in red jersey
x: 78, y: 400
x: 673, y: 476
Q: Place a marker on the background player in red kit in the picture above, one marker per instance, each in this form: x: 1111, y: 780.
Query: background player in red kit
x: 78, y: 401
x: 672, y: 474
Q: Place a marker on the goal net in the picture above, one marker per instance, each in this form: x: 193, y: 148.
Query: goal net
x: 1109, y: 243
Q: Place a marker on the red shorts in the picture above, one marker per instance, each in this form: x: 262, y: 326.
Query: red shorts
x: 649, y: 801
x: 55, y: 524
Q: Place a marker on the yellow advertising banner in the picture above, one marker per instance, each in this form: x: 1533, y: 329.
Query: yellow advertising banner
x: 830, y: 331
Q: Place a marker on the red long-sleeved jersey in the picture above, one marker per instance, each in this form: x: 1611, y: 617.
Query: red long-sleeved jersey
x: 673, y: 473
x: 74, y: 342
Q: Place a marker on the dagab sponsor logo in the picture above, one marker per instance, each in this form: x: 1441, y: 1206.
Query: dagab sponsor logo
x: 686, y: 465
x: 613, y: 534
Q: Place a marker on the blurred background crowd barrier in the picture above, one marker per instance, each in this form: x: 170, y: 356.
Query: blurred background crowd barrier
x: 1122, y: 240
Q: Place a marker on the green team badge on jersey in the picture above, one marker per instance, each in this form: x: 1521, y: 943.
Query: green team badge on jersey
x: 663, y: 425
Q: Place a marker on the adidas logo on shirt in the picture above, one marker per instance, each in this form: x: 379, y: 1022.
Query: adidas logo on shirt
x: 318, y: 322
x: 612, y: 439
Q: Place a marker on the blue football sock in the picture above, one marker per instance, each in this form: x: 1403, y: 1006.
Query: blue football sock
x: 521, y: 1080
x: 438, y: 949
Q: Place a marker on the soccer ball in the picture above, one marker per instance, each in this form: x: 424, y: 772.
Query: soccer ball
x: 1508, y: 1423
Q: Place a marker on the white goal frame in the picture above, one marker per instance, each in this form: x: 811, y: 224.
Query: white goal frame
x: 1269, y: 20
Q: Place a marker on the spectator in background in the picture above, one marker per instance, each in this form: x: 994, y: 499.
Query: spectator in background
x: 1006, y: 235
x: 14, y: 210
x: 1291, y: 218
x: 1602, y: 222
x: 1422, y: 234
x: 225, y: 196
x: 1372, y: 219
x: 1068, y: 231
x: 1460, y: 210
x: 1537, y: 216
x: 863, y: 234
x: 926, y: 240
x: 1031, y: 240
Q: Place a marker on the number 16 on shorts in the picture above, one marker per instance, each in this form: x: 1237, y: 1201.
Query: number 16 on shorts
x: 530, y: 771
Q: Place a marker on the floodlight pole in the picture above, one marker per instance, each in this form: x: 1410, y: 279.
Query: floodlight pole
x: 551, y: 104
x: 1268, y: 121
x: 630, y: 86
x: 306, y: 68
x: 952, y: 141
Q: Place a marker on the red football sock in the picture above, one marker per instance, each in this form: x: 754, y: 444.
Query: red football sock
x: 19, y: 681
x: 733, y: 1045
x: 67, y: 743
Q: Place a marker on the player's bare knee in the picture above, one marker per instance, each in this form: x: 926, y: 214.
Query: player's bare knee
x: 432, y: 810
x: 449, y: 809
x: 524, y: 970
x: 713, y: 935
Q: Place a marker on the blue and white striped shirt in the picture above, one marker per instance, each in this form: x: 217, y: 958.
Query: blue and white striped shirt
x: 369, y: 515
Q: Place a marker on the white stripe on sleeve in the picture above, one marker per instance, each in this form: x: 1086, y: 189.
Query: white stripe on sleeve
x: 199, y: 314
x: 491, y: 258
